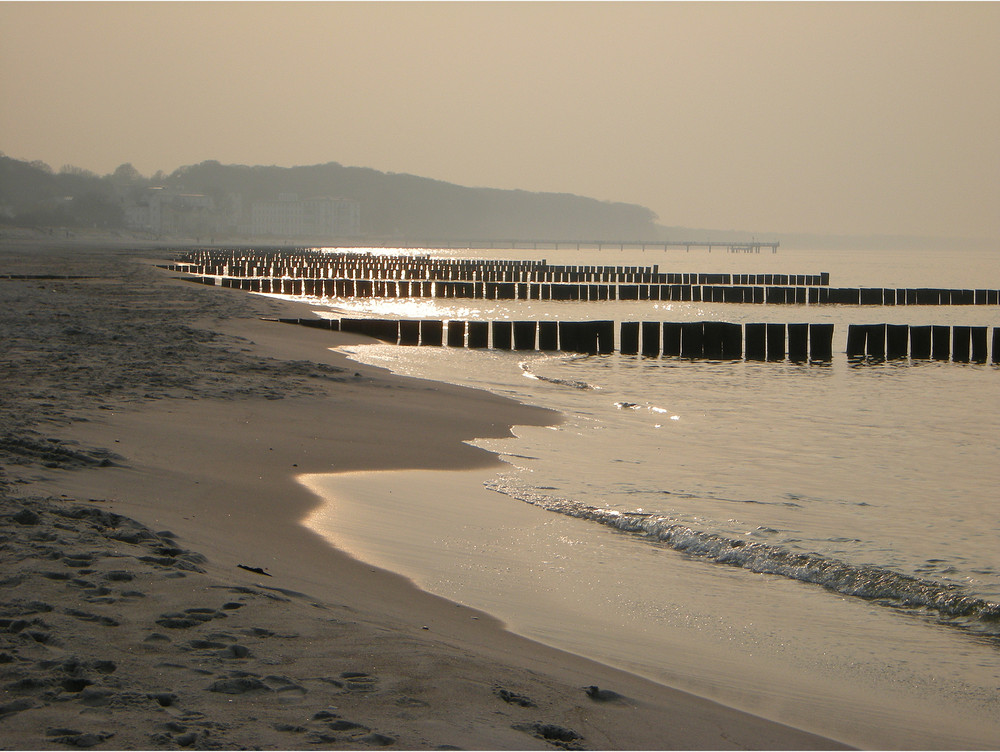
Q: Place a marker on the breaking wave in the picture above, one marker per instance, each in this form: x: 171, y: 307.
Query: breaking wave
x: 582, y: 385
x: 949, y: 603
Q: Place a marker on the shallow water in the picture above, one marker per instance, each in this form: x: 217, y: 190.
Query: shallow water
x: 816, y: 543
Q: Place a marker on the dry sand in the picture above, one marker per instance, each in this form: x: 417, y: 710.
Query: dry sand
x: 150, y: 435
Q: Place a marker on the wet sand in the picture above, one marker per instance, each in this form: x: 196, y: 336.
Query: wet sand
x: 159, y: 589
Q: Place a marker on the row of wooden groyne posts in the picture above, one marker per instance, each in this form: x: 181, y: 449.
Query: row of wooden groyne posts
x: 708, y: 340
x: 351, y: 275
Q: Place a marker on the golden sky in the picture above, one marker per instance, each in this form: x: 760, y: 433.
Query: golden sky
x: 849, y: 118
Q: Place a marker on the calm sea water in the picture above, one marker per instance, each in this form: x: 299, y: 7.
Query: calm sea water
x: 816, y: 543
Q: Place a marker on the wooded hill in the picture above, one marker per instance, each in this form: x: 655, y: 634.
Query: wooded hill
x: 407, y: 206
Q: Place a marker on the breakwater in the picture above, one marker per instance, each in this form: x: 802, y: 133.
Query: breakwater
x: 695, y: 340
x: 349, y: 275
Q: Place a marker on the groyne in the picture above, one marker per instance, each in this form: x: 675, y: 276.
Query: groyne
x: 349, y: 275
x: 695, y: 340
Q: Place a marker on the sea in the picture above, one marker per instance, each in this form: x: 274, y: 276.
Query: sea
x: 815, y: 543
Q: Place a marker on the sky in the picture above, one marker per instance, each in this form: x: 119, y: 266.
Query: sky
x: 838, y: 118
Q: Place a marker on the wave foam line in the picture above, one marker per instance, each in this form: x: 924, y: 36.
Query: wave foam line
x: 863, y: 581
x: 582, y: 385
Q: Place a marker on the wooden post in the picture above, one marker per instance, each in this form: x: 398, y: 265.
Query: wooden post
x: 756, y: 341
x: 920, y: 342
x: 671, y: 339
x: 456, y: 334
x: 431, y: 332
x: 409, y: 332
x: 548, y: 336
x: 732, y: 341
x: 798, y: 343
x: 979, y: 354
x: 479, y: 334
x: 821, y: 343
x: 568, y: 336
x: 856, y: 336
x: 940, y: 342
x: 896, y: 337
x: 605, y: 336
x: 692, y: 339
x: 875, y: 344
x: 712, y: 332
x: 503, y: 332
x: 961, y: 344
x: 524, y: 335
x: 775, y: 341
x: 651, y: 339
x: 629, y: 338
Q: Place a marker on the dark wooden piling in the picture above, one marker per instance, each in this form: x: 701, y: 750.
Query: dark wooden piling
x: 798, y: 343
x: 548, y: 336
x: 732, y: 341
x: 875, y: 341
x: 456, y: 334
x: 524, y: 335
x: 775, y: 341
x: 569, y: 332
x: 589, y: 337
x: 920, y: 342
x: 479, y: 335
x: 940, y: 342
x: 431, y: 332
x: 756, y: 341
x: 605, y: 336
x: 712, y: 334
x: 692, y: 339
x: 856, y: 336
x: 629, y: 341
x: 409, y: 332
x: 671, y: 339
x: 651, y: 339
x: 979, y: 354
x: 961, y: 344
x: 821, y: 343
x: 896, y: 338
x: 503, y: 335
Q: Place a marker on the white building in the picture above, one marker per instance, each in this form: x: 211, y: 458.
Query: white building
x: 162, y: 210
x: 318, y: 217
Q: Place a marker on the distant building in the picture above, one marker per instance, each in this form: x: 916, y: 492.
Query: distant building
x: 290, y: 217
x: 162, y: 210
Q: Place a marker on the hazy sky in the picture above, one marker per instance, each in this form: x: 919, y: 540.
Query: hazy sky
x: 776, y: 117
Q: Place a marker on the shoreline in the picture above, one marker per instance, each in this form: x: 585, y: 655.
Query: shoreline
x: 217, y: 472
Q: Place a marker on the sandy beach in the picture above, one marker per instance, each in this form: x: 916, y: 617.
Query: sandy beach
x: 159, y: 589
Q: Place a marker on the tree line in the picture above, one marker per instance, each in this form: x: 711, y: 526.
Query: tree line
x: 407, y: 206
